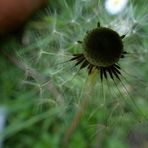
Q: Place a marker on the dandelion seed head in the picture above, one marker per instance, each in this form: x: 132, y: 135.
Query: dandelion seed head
x: 61, y: 43
x: 115, y: 6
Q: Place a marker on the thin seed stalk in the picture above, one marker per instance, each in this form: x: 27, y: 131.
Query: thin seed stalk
x: 86, y: 96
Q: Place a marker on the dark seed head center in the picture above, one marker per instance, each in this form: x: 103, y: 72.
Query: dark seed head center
x: 102, y: 47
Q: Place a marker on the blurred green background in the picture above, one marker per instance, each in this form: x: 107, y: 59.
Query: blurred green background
x: 41, y: 93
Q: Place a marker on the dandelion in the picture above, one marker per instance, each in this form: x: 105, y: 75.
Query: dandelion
x: 103, y: 48
x: 115, y: 6
x: 101, y: 52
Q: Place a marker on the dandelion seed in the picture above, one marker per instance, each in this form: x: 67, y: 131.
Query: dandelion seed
x: 115, y: 6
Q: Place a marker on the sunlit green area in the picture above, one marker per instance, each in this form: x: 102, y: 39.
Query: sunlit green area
x: 46, y: 102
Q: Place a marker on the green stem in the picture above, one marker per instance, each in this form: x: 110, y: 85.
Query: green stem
x: 90, y: 84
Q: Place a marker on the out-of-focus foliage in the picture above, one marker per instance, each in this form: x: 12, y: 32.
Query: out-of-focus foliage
x: 42, y: 93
